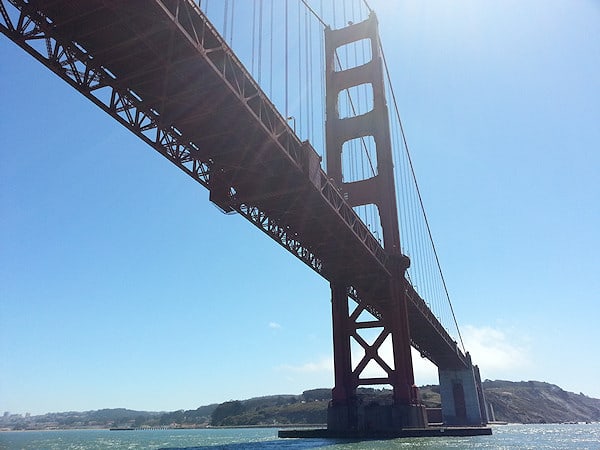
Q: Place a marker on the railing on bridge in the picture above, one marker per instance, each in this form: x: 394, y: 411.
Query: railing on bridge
x: 158, y: 71
x: 281, y: 43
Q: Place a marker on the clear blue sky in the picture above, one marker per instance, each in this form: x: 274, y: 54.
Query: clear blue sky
x: 122, y: 286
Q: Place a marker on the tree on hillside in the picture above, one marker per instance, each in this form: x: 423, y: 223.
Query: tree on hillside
x: 225, y: 410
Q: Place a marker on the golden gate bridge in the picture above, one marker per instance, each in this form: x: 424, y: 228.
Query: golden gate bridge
x: 285, y: 112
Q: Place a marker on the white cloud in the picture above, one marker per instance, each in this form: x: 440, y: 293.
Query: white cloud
x: 495, y: 351
x: 425, y: 371
x: 274, y: 326
x: 325, y: 364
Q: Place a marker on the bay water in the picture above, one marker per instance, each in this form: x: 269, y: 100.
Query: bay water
x: 546, y: 436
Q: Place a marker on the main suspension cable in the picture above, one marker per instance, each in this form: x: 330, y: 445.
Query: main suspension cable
x: 367, y: 5
x: 418, y: 190
x: 314, y: 13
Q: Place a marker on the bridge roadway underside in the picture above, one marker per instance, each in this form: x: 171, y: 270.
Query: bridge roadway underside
x: 160, y: 69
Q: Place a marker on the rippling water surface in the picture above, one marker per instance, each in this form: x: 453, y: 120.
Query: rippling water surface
x: 580, y: 436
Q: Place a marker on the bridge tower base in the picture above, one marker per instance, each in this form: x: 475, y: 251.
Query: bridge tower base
x: 463, y: 401
x: 374, y: 419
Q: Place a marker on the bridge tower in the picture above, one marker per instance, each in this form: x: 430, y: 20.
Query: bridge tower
x: 346, y: 412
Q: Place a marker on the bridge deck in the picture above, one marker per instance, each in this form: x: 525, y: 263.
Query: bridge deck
x: 160, y: 68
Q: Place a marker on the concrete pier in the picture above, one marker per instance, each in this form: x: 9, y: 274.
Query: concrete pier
x: 463, y: 403
x: 324, y: 433
x: 375, y: 418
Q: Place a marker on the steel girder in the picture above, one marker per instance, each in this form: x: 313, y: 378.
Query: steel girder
x: 29, y: 25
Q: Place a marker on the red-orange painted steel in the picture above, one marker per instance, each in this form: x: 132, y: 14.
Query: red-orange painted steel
x: 160, y: 69
x: 378, y: 190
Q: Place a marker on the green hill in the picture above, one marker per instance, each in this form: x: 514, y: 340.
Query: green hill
x: 515, y: 402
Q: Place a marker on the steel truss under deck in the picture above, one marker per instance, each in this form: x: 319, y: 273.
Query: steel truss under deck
x: 133, y: 60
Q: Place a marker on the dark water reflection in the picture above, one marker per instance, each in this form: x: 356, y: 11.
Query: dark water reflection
x: 285, y: 444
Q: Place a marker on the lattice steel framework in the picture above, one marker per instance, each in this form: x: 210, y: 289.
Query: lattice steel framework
x: 77, y: 67
x: 156, y: 67
x: 346, y: 413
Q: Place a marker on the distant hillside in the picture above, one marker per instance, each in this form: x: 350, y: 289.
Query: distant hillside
x: 308, y: 408
x: 108, y: 418
x: 539, y: 402
x: 103, y: 418
x: 515, y: 402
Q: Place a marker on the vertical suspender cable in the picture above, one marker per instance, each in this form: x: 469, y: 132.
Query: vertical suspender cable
x: 260, y: 32
x: 309, y: 74
x: 225, y: 11
x: 253, y: 38
x: 412, y: 171
x: 231, y: 23
x: 334, y: 14
x: 286, y: 59
x: 321, y: 72
x: 312, y: 11
x: 271, y: 39
x: 322, y: 75
x: 307, y: 65
x: 299, y: 131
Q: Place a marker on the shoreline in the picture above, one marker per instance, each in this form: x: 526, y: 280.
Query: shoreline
x: 266, y: 426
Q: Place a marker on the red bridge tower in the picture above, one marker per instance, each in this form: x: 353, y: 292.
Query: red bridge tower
x: 346, y: 412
